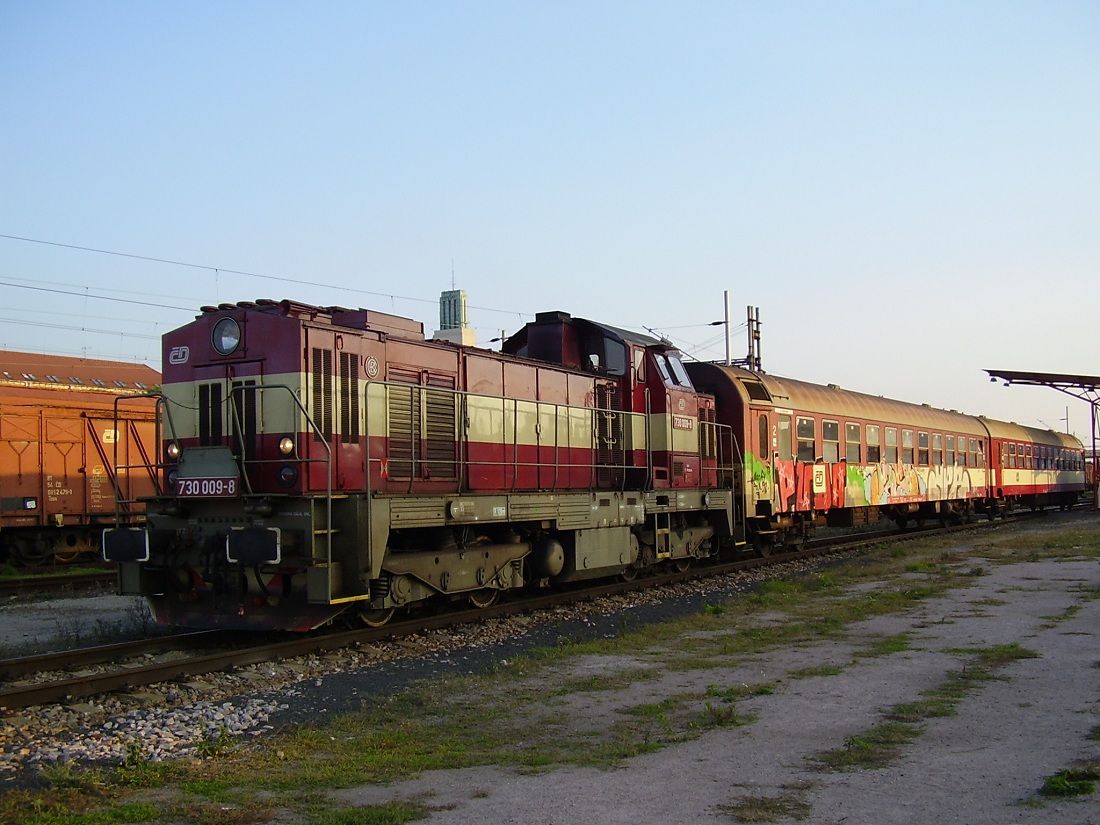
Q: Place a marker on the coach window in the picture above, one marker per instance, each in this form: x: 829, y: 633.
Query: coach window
x: 891, y: 445
x: 874, y: 449
x: 1028, y: 462
x: 906, y: 446
x: 922, y: 449
x: 977, y: 453
x: 851, y: 443
x: 1011, y: 456
x: 762, y: 436
x: 806, y: 439
x: 937, y: 449
x: 830, y: 435
x: 962, y: 450
x: 785, y: 438
x: 950, y: 450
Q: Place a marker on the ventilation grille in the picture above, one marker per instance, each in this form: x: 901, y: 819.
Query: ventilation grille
x: 322, y: 393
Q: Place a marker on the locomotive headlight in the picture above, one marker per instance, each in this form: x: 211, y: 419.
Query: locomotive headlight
x: 288, y: 475
x: 226, y: 336
x: 286, y: 445
x: 173, y: 450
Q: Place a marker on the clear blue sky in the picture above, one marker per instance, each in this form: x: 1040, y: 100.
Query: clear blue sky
x: 908, y: 191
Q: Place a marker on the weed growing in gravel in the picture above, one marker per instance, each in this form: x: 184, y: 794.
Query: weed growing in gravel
x: 767, y: 808
x: 213, y: 742
x: 392, y: 813
x: 815, y: 670
x: 1078, y: 780
x: 903, y: 722
x: 886, y: 645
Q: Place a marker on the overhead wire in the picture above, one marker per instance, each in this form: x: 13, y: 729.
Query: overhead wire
x: 85, y: 293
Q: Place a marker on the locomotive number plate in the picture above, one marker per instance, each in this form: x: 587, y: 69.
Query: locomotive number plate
x: 206, y: 487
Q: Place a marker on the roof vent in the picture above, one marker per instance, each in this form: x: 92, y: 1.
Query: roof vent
x: 227, y: 306
x: 833, y: 386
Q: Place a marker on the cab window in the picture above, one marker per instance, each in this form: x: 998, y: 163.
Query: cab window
x: 679, y: 373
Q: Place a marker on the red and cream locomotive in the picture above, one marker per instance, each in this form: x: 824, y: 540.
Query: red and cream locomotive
x: 322, y: 459
x: 328, y: 460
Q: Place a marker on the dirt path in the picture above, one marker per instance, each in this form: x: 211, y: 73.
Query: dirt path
x: 1009, y: 727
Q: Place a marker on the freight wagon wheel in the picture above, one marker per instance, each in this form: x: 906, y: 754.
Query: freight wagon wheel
x: 72, y: 548
x: 376, y: 618
x: 486, y: 597
x: 29, y: 552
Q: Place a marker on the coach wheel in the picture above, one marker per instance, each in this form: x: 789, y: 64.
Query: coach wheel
x: 376, y: 618
x: 629, y: 574
x: 486, y: 597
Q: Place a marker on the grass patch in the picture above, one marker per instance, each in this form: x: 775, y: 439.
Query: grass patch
x: 767, y: 808
x: 815, y: 670
x: 392, y: 813
x: 886, y: 645
x: 904, y: 722
x: 1075, y: 781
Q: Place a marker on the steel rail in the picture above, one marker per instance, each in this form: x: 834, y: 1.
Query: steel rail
x: 60, y: 659
x: 53, y: 581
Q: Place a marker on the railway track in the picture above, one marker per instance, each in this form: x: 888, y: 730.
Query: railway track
x: 130, y: 675
x: 56, y: 581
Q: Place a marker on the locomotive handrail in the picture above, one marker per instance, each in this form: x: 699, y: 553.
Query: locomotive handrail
x: 295, y: 456
x: 159, y: 401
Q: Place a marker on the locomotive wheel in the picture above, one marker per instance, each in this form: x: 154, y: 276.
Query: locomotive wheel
x: 486, y: 597
x: 376, y: 618
x: 683, y: 564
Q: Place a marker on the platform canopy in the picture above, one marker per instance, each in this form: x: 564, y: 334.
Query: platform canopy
x: 1085, y: 387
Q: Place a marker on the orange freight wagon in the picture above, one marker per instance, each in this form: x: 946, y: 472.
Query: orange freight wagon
x: 62, y: 451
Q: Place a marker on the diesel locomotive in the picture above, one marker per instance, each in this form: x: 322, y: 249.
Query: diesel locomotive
x: 324, y: 461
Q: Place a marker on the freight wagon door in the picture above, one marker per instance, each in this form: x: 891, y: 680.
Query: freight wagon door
x: 62, y: 465
x: 21, y: 495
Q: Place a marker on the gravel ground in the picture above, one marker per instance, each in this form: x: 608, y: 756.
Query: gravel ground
x: 39, y: 626
x: 974, y: 767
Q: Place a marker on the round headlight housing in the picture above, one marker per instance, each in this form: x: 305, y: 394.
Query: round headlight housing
x: 226, y: 336
x: 173, y: 450
x: 286, y: 445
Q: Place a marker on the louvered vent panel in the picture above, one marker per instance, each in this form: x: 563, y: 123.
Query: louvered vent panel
x: 439, y: 429
x: 349, y: 397
x: 403, y: 417
x: 322, y: 392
